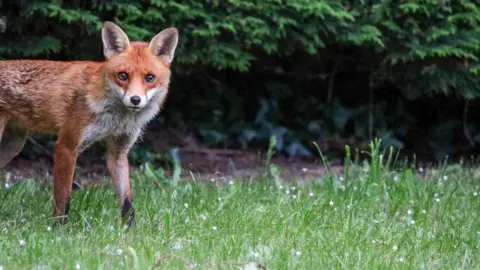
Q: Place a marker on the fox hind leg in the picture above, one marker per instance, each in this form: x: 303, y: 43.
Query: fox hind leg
x: 12, y: 141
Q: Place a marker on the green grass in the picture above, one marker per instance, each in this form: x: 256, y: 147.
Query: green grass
x: 377, y: 218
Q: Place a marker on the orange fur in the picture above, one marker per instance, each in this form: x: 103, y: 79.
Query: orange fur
x: 84, y: 101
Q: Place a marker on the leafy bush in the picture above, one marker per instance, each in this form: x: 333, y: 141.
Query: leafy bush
x: 246, y: 70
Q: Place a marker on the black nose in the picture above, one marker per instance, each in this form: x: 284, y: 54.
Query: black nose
x: 135, y: 100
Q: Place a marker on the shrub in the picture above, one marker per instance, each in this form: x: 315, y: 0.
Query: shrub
x: 247, y: 70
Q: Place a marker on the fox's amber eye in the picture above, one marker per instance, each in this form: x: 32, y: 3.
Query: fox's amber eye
x: 150, y: 78
x: 123, y: 76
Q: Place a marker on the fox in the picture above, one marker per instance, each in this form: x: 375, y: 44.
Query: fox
x: 83, y: 102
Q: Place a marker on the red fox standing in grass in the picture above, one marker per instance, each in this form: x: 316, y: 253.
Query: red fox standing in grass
x: 83, y: 102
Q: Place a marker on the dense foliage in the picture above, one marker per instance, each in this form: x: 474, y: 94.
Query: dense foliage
x: 302, y: 70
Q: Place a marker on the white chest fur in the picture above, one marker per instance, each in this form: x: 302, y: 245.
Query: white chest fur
x: 112, y: 118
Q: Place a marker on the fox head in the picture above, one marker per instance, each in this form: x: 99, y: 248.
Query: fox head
x: 138, y: 73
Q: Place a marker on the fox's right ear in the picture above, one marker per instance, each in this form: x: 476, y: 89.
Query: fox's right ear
x: 115, y: 41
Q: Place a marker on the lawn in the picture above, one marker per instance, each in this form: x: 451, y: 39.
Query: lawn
x: 379, y: 215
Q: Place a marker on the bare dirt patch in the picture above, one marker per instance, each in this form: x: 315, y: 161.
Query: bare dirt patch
x: 196, y: 159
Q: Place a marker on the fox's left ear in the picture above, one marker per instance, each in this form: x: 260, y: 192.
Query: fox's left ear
x: 164, y: 44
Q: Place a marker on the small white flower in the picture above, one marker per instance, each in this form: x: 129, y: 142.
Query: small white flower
x: 294, y: 197
x: 202, y: 216
x: 331, y: 203
x: 395, y: 248
x: 349, y: 206
x: 293, y: 188
x: 437, y: 199
x: 22, y: 220
x: 355, y: 188
x: 298, y: 253
x: 420, y: 169
x: 401, y: 259
x: 424, y: 211
x: 187, y: 220
x: 475, y: 194
x: 375, y: 221
x: 212, y: 179
x: 1, y: 267
x: 341, y: 178
x: 186, y: 205
x: 202, y: 201
x: 248, y: 266
x: 256, y: 254
x: 7, y: 185
x: 177, y: 245
x: 119, y: 251
x: 280, y: 187
x: 395, y: 178
x: 409, y: 212
x: 304, y: 169
x: 412, y: 222
x: 435, y: 195
x: 214, y: 228
x: 219, y: 199
x: 111, y: 228
x: 310, y: 194
x: 21, y: 242
x: 49, y: 228
x: 77, y: 266
x: 231, y: 182
x: 445, y: 177
x: 287, y: 191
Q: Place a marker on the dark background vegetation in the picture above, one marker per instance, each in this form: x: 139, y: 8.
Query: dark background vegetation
x: 331, y: 72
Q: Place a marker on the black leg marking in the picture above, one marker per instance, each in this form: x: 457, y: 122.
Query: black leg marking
x: 65, y: 219
x: 128, y: 213
x: 67, y: 208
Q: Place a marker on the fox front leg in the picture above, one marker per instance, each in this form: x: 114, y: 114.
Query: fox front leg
x: 66, y: 150
x: 119, y: 169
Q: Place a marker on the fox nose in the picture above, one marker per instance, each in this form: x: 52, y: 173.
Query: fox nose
x: 135, y: 100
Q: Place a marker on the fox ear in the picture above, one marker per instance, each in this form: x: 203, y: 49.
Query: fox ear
x: 164, y: 44
x: 115, y: 41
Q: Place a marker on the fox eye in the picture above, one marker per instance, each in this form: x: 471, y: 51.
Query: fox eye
x: 123, y: 76
x: 150, y: 78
